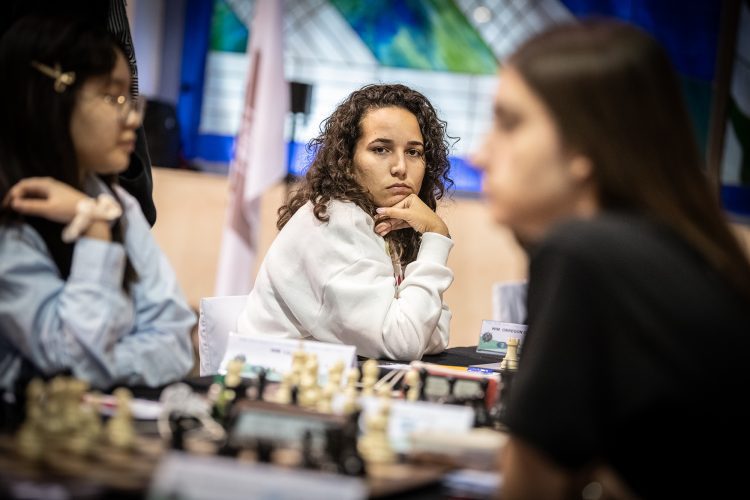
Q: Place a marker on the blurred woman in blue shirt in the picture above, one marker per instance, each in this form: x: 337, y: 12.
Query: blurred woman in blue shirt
x: 84, y: 287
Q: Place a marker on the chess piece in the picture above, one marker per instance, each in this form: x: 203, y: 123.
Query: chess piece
x: 34, y: 401
x: 373, y: 445
x: 510, y: 361
x: 79, y: 439
x: 325, y: 400
x: 332, y: 387
x: 311, y: 366
x: 299, y: 359
x: 52, y: 421
x: 423, y: 374
x: 262, y: 382
x: 370, y: 373
x: 309, y: 388
x: 308, y: 391
x: 336, y: 373
x: 341, y: 446
x: 413, y: 383
x: 90, y: 424
x: 120, y: 430
x: 351, y: 395
x: 233, y: 378
x: 29, y: 439
x: 284, y: 391
x: 385, y: 393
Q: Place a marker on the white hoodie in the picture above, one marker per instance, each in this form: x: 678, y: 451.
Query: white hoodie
x: 334, y: 282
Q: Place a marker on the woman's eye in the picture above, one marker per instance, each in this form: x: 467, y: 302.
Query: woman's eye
x: 380, y: 150
x: 415, y: 152
x: 507, y: 123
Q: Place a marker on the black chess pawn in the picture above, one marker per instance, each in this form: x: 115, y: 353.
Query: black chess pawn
x: 295, y: 394
x: 180, y: 424
x: 264, y: 450
x: 262, y: 378
x: 498, y: 411
x: 423, y: 384
x: 309, y: 460
x: 348, y: 459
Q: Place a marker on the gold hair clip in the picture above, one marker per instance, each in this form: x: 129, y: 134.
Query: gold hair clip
x: 62, y: 80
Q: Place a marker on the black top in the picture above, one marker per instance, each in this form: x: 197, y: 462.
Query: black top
x: 636, y: 356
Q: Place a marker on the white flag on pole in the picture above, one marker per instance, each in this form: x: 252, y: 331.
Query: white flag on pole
x: 259, y: 159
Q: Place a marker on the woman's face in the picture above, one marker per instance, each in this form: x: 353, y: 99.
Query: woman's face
x: 389, y: 155
x: 103, y: 132
x: 530, y: 180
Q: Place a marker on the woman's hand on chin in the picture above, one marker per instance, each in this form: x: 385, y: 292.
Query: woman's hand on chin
x: 409, y: 212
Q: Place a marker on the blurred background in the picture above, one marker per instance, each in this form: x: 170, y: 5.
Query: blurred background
x: 193, y: 66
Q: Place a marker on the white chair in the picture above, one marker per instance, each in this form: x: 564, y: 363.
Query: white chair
x: 218, y: 316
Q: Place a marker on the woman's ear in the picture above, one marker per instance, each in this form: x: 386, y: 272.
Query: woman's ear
x: 581, y: 168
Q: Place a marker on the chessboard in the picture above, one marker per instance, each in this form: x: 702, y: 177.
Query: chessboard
x: 310, y: 422
x: 103, y: 472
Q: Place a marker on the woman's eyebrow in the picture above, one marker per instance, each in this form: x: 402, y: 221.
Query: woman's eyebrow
x: 381, y: 139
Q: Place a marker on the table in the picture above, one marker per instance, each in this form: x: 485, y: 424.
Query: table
x: 105, y: 475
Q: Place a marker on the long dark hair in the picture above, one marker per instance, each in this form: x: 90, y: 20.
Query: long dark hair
x: 35, y: 139
x: 332, y: 176
x: 616, y: 99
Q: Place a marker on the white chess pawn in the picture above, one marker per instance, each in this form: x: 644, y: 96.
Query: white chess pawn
x: 234, y: 373
x: 30, y: 441
x: 284, y: 391
x: 53, y: 408
x: 351, y: 394
x: 336, y: 372
x: 34, y: 400
x: 120, y: 431
x: 298, y: 363
x: 413, y: 381
x: 309, y: 391
x: 325, y: 400
x: 374, y: 445
x: 370, y: 372
x: 311, y: 366
x: 385, y: 393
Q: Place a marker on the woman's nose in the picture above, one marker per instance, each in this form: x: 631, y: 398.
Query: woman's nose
x: 478, y: 157
x: 399, y: 167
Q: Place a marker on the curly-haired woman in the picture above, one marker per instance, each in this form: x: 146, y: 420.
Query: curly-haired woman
x: 361, y: 255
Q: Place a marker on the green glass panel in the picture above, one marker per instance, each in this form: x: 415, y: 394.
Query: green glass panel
x: 228, y: 33
x: 420, y: 34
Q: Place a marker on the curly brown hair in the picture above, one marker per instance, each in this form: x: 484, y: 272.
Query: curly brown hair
x: 332, y: 176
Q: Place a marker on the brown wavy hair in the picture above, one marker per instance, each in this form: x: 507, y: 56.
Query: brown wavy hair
x: 332, y: 175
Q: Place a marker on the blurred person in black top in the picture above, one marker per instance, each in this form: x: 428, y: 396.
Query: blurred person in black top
x: 634, y: 367
x: 111, y: 15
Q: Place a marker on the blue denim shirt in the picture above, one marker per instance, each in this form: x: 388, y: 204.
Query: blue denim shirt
x: 88, y: 324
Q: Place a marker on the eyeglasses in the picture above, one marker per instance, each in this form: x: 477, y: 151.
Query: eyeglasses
x: 125, y: 105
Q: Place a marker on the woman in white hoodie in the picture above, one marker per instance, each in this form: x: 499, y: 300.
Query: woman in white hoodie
x: 361, y: 255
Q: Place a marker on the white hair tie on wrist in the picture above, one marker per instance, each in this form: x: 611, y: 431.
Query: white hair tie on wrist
x: 88, y: 210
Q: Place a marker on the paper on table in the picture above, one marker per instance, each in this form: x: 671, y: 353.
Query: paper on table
x: 276, y: 353
x: 193, y: 477
x: 142, y: 409
x: 407, y: 417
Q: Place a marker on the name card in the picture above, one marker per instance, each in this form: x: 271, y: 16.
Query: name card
x: 407, y: 417
x: 193, y: 477
x: 276, y: 353
x: 493, y: 339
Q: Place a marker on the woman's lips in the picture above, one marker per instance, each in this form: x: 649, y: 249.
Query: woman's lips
x: 399, y: 189
x: 129, y: 146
